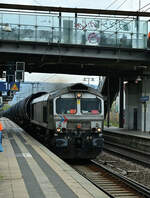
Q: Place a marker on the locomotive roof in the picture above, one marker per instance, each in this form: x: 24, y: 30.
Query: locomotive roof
x: 74, y: 87
x: 41, y: 98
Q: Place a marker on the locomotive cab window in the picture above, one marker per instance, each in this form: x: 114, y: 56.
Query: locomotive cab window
x: 91, y: 105
x: 66, y: 106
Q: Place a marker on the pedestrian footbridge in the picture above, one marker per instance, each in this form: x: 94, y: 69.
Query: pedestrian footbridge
x: 73, y: 41
x: 74, y: 29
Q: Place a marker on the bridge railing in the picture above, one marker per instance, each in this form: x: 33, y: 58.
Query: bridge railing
x: 96, y: 31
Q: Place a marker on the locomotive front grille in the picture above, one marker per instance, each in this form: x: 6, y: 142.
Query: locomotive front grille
x: 73, y: 125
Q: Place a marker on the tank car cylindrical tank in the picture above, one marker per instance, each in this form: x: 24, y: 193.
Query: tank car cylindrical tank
x: 20, y: 112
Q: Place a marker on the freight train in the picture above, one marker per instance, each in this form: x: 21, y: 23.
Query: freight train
x: 69, y: 121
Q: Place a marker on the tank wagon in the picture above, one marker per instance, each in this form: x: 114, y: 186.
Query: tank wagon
x: 69, y: 121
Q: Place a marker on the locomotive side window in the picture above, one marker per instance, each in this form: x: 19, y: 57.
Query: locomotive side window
x: 66, y: 105
x: 32, y: 111
x: 90, y: 105
x: 51, y: 107
x: 44, y: 114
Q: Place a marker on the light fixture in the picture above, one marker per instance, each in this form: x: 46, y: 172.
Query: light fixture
x: 99, y: 130
x: 78, y: 95
x: 6, y: 28
x: 139, y: 78
x: 58, y: 130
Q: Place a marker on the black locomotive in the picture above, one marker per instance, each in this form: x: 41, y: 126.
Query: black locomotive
x: 69, y: 121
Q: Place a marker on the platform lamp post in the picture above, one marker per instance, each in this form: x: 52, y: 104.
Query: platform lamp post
x: 138, y: 25
x: 108, y: 101
x: 121, y: 102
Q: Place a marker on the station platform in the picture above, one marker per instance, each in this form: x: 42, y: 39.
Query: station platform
x: 128, y: 132
x: 30, y: 170
x: 133, y: 139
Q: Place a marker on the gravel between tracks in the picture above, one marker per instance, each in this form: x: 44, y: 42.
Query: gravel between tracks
x: 127, y: 168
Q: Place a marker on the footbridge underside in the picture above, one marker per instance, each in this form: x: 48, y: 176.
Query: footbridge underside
x: 74, y: 59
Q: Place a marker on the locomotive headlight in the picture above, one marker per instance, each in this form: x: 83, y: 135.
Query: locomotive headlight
x: 78, y: 95
x: 58, y: 130
x: 99, y: 130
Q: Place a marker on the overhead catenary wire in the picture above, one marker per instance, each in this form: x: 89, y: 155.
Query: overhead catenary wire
x: 118, y: 20
x: 122, y: 4
x: 114, y: 3
x: 127, y: 16
x: 118, y: 8
x: 144, y: 7
x: 124, y: 18
x: 37, y: 2
x: 111, y: 4
x: 140, y: 8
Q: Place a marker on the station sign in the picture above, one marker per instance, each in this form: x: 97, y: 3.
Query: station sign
x: 144, y: 98
x: 3, y: 86
x: 12, y: 86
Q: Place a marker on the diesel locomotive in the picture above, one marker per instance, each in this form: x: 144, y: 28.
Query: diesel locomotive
x: 69, y: 121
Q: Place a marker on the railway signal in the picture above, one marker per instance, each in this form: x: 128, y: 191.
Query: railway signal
x: 10, y: 72
x: 20, y: 68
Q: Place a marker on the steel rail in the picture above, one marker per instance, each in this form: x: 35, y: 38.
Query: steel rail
x: 84, y: 175
x: 129, y: 153
x: 133, y: 184
x: 111, y: 182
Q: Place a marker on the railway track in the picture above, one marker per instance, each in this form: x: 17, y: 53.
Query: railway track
x: 129, y: 153
x: 113, y: 184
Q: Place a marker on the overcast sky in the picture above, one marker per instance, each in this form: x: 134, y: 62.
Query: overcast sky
x: 98, y: 4
x: 94, y: 4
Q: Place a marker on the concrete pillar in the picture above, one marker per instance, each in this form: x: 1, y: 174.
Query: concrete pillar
x: 145, y: 105
x: 133, y: 106
x: 137, y: 109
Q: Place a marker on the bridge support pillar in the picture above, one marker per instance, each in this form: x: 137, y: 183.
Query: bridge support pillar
x: 132, y: 106
x: 137, y: 107
x: 145, y: 104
